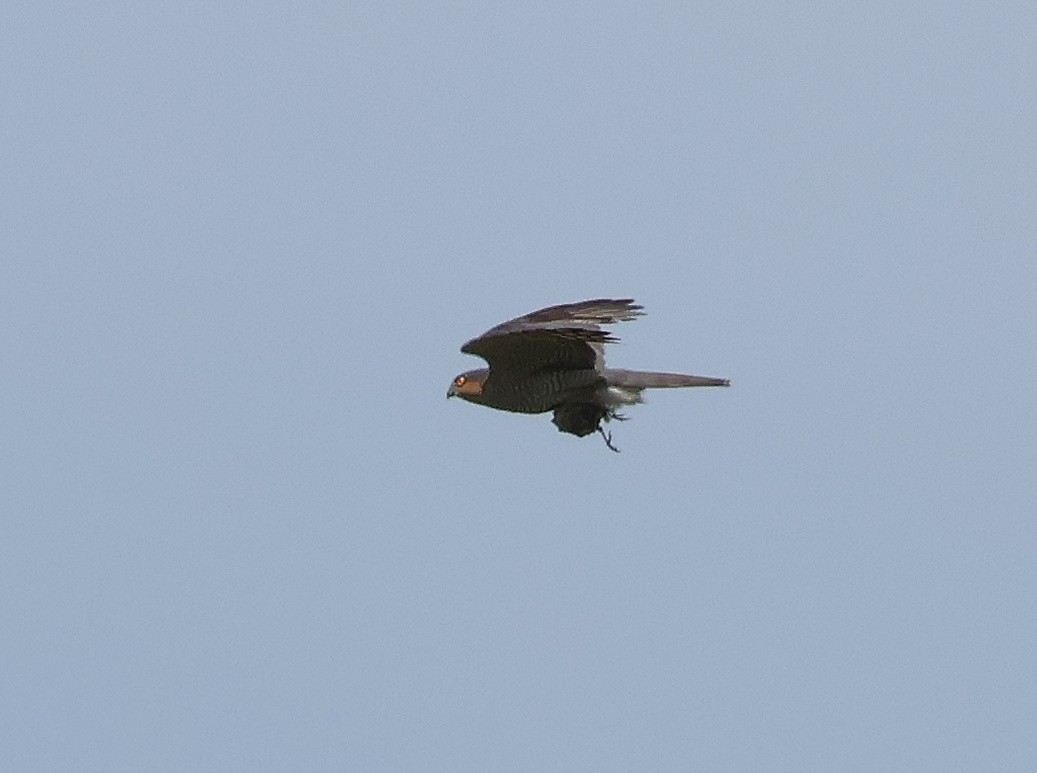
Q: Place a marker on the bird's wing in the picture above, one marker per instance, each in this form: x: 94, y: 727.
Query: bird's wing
x: 566, y: 336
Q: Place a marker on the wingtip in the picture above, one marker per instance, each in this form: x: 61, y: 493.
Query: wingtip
x: 628, y: 308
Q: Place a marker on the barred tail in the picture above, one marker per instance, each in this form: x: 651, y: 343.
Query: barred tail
x: 639, y: 379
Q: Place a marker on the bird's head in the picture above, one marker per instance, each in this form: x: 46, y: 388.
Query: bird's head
x: 468, y: 385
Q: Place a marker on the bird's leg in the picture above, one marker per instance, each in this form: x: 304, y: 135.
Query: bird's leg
x: 608, y: 438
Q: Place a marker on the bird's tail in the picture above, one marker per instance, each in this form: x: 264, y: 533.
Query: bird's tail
x: 640, y: 379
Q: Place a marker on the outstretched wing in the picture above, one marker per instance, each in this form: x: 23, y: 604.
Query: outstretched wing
x: 569, y: 336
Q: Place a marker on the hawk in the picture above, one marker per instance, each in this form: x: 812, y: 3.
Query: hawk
x: 554, y: 360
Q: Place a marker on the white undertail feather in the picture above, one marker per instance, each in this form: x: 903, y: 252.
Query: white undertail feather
x: 622, y: 396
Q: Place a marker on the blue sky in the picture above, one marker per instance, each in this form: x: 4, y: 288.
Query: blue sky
x: 243, y: 530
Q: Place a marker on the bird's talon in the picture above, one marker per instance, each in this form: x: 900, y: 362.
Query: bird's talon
x: 608, y: 439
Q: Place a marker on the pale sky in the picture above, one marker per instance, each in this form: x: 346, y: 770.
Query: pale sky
x: 243, y: 529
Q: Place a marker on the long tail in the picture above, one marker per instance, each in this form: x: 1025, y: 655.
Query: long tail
x: 639, y: 379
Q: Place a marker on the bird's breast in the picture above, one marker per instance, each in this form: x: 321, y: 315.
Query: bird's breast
x: 537, y: 392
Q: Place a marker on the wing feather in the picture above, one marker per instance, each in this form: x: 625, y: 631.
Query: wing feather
x: 557, y: 337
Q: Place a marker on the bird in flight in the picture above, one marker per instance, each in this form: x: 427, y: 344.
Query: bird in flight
x: 554, y: 360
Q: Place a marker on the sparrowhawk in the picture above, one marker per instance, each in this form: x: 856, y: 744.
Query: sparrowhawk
x: 554, y: 360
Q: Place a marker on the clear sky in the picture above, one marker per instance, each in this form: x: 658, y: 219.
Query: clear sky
x: 241, y: 527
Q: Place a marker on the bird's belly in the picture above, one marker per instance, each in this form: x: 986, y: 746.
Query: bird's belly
x: 540, y: 392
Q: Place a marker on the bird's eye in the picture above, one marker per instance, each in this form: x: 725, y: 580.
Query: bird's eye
x: 459, y: 381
